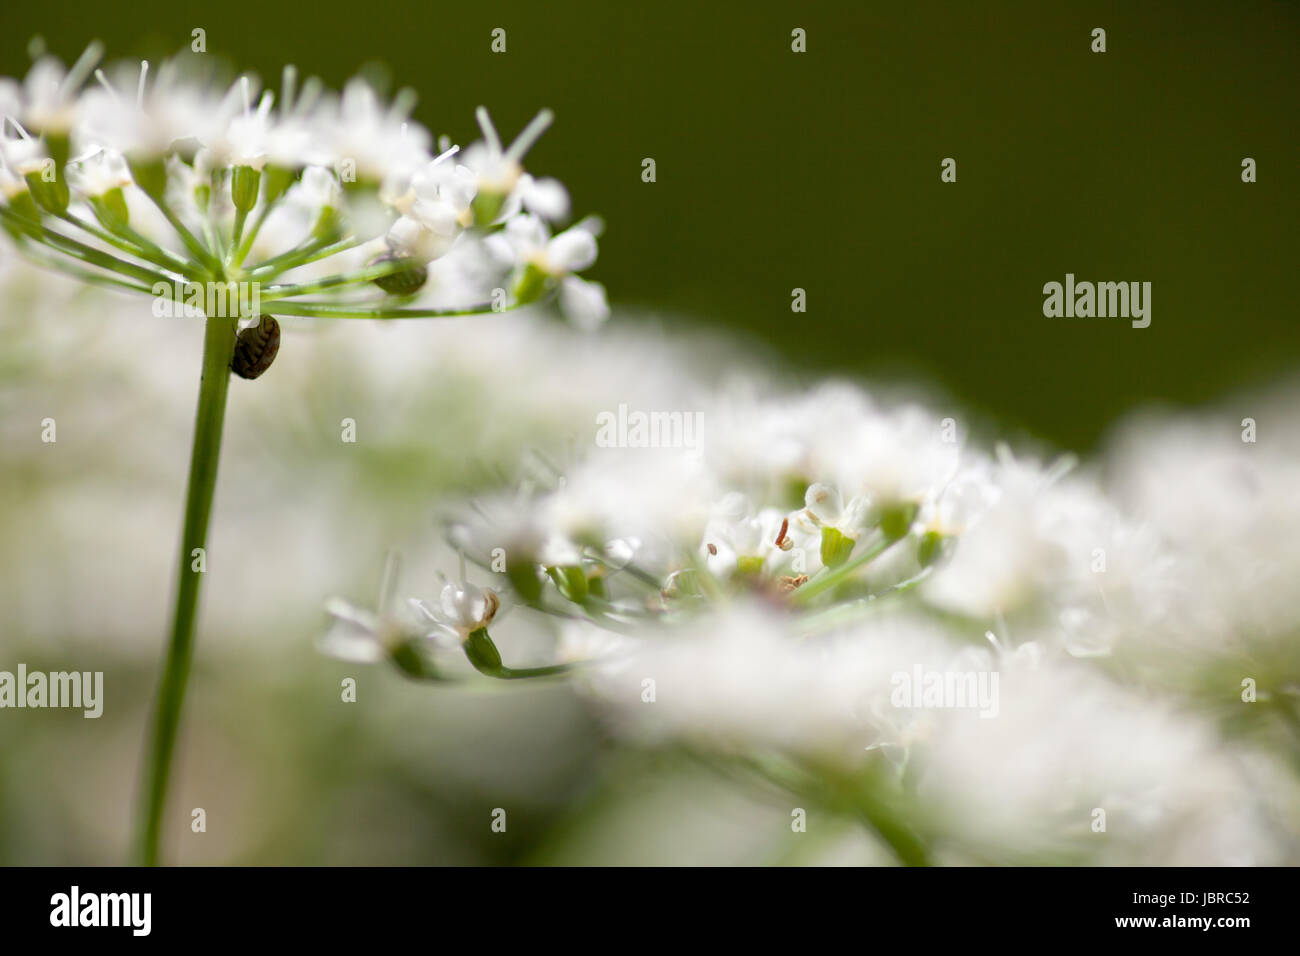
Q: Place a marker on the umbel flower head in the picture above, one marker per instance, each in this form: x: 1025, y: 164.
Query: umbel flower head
x: 824, y: 506
x: 158, y: 179
x: 849, y: 600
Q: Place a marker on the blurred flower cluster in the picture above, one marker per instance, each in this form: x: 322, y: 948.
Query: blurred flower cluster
x: 761, y: 592
x: 162, y: 179
x: 1121, y: 672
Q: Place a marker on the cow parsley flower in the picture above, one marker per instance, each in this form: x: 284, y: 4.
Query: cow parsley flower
x: 96, y: 147
x: 238, y: 205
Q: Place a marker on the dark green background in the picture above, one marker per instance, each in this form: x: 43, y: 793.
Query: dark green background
x: 821, y: 170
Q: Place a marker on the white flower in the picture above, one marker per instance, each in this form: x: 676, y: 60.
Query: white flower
x: 299, y: 135
x: 247, y: 138
x: 99, y: 173
x: 545, y: 197
x: 1227, y: 516
x: 737, y: 538
x: 379, y: 141
x: 500, y: 175
x: 827, y: 508
x: 23, y: 153
x: 145, y: 114
x: 365, y: 636
x: 11, y: 184
x: 462, y: 609
x: 436, y: 205
x: 1027, y: 785
x: 48, y: 100
x: 356, y: 634
x: 527, y: 240
x: 584, y: 302
x: 317, y: 189
x: 963, y: 501
x: 739, y: 681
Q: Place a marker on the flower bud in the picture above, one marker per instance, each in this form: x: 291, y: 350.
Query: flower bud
x: 110, y: 209
x: 245, y: 181
x: 930, y: 548
x: 836, y: 546
x: 571, y: 581
x: 51, y: 193
x: 406, y: 281
x: 468, y: 608
x: 896, y: 519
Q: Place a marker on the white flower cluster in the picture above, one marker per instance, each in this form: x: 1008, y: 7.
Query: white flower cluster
x: 138, y: 176
x: 822, y: 498
x: 761, y: 593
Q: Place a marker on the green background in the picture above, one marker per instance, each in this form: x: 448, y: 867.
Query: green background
x: 820, y: 170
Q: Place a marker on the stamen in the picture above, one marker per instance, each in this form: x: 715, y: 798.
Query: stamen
x: 780, y: 535
x: 388, y: 583
x: 289, y: 80
x: 103, y: 81
x: 81, y: 69
x: 489, y: 131
x: 139, y: 90
x: 18, y: 126
x: 403, y: 103
x: 446, y: 155
x: 524, y: 141
x: 311, y: 91
x: 243, y: 89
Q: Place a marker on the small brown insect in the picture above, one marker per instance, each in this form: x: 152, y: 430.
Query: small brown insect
x: 255, y: 348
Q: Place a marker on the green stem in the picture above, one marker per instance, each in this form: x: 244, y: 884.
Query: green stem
x: 322, y: 310
x: 79, y: 250
x: 150, y: 253
x: 218, y: 347
x: 57, y: 264
x: 192, y: 244
x: 334, y: 281
x: 236, y: 234
x: 830, y: 577
x: 250, y: 235
x: 485, y: 657
x: 312, y: 250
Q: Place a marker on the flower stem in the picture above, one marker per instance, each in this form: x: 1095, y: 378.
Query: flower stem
x: 830, y: 577
x: 218, y: 347
x: 326, y: 310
